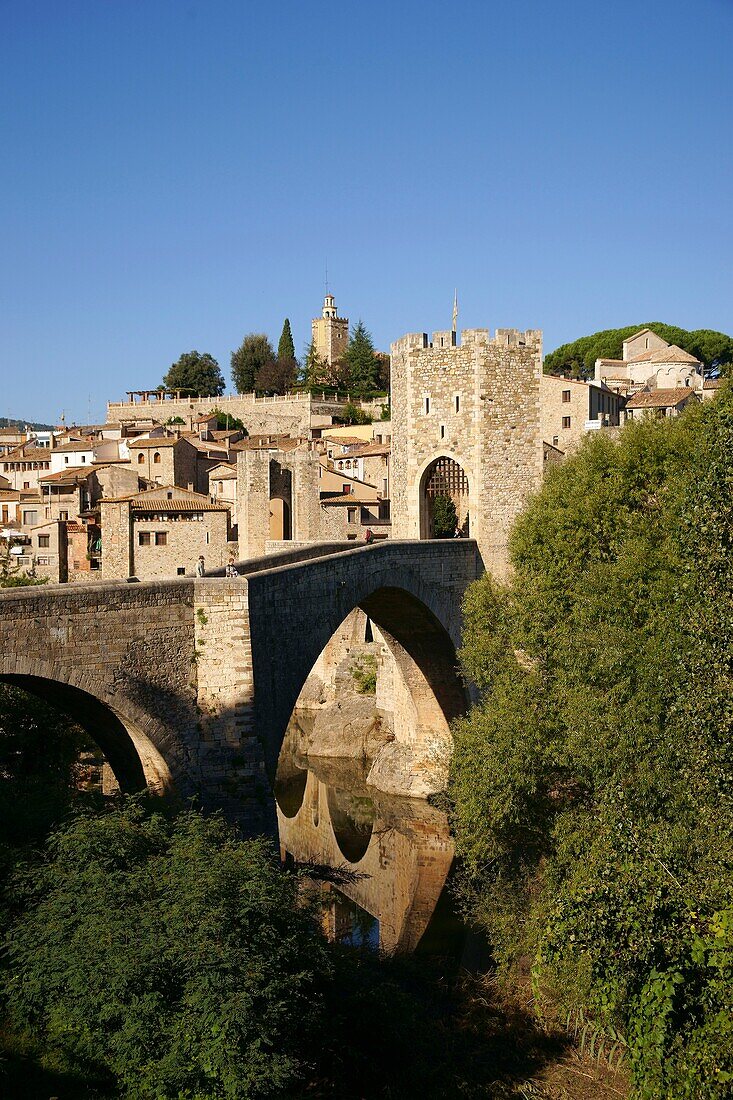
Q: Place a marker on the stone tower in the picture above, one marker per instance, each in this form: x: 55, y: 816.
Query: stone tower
x: 465, y: 424
x: 330, y: 332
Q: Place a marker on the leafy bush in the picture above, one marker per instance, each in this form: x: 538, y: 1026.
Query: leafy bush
x: 170, y: 953
x: 364, y: 673
x: 445, y: 517
x: 593, y: 801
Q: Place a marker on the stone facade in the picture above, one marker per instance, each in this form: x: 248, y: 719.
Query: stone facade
x: 475, y: 405
x: 330, y: 332
x: 165, y: 461
x: 569, y: 409
x: 162, y: 539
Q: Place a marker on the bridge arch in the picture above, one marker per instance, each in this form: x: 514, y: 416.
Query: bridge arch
x: 295, y: 610
x: 115, y: 724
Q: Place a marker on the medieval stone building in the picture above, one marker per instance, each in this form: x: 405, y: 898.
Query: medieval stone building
x: 466, y: 424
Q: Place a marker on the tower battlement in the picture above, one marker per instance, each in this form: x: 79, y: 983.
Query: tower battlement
x: 503, y: 338
x: 465, y: 424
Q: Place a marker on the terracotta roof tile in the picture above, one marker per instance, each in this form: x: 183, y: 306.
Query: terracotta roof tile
x: 660, y: 399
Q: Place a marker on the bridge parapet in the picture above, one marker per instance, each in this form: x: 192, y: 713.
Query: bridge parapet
x: 190, y: 683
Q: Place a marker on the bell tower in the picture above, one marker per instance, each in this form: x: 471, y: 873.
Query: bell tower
x: 330, y: 332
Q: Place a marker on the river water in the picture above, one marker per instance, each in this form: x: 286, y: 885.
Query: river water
x: 396, y: 856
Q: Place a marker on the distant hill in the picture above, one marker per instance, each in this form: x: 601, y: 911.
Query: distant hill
x: 6, y: 422
x: 578, y: 359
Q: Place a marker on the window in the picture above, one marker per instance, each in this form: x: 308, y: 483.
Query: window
x: 156, y: 456
x: 427, y: 405
x: 161, y: 538
x: 555, y: 440
x: 42, y: 561
x: 566, y: 397
x: 83, y: 458
x: 30, y: 518
x: 26, y: 484
x: 140, y: 458
x: 181, y: 571
x: 169, y: 496
x: 351, y: 515
x: 566, y: 422
x: 458, y: 402
x: 143, y: 538
x: 442, y: 431
x: 44, y: 540
x: 63, y: 515
x: 346, y: 490
x: 66, y: 459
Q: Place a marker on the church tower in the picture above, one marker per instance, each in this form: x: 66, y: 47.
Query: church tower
x: 330, y: 332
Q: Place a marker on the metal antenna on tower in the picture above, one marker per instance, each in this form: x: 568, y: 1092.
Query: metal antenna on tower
x: 326, y: 276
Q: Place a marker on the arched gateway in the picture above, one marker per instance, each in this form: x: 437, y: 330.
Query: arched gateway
x: 443, y: 479
x: 189, y: 684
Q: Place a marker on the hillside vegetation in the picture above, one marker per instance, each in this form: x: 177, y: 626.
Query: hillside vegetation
x: 592, y: 787
x: 578, y: 358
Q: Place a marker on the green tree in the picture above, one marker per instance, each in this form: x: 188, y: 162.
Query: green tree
x: 176, y: 956
x: 197, y: 373
x: 286, y: 347
x: 445, y: 517
x: 253, y: 353
x: 316, y: 374
x: 277, y: 376
x: 593, y: 804
x: 578, y: 358
x: 359, y: 363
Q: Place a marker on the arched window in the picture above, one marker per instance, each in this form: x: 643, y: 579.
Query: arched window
x: 140, y: 458
x: 156, y: 456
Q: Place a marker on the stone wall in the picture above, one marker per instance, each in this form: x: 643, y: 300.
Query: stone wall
x: 477, y: 403
x: 260, y: 415
x: 190, y: 684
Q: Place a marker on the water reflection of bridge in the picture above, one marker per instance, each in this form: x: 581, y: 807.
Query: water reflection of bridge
x: 400, y: 848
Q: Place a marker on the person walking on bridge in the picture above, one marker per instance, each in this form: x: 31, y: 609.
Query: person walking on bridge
x: 200, y: 566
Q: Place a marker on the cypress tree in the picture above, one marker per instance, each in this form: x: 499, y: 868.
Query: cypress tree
x: 286, y: 347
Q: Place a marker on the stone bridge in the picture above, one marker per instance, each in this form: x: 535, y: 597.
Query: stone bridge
x: 188, y: 684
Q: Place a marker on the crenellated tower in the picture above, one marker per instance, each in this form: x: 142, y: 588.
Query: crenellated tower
x: 330, y: 332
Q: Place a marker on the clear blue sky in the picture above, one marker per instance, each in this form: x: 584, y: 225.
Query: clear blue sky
x: 177, y: 173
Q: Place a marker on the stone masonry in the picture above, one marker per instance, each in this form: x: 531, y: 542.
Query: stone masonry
x: 475, y: 402
x: 189, y: 684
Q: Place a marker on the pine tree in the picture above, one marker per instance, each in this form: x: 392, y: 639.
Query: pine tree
x: 359, y: 363
x: 315, y: 369
x: 286, y: 347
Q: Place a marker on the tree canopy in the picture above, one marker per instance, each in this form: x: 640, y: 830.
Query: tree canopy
x: 445, y: 517
x: 315, y: 372
x: 593, y: 803
x: 251, y: 356
x: 196, y: 373
x: 277, y: 376
x: 578, y: 358
x: 170, y: 953
x: 286, y: 347
x: 359, y: 368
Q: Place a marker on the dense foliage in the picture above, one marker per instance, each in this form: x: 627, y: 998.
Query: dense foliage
x: 359, y: 370
x: 592, y: 784
x: 578, y: 358
x: 445, y: 517
x: 168, y: 952
x: 286, y: 347
x: 195, y: 373
x: 254, y: 353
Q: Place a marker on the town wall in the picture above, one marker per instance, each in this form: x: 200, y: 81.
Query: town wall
x: 260, y: 415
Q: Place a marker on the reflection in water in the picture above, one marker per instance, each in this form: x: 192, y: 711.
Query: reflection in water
x: 399, y: 849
